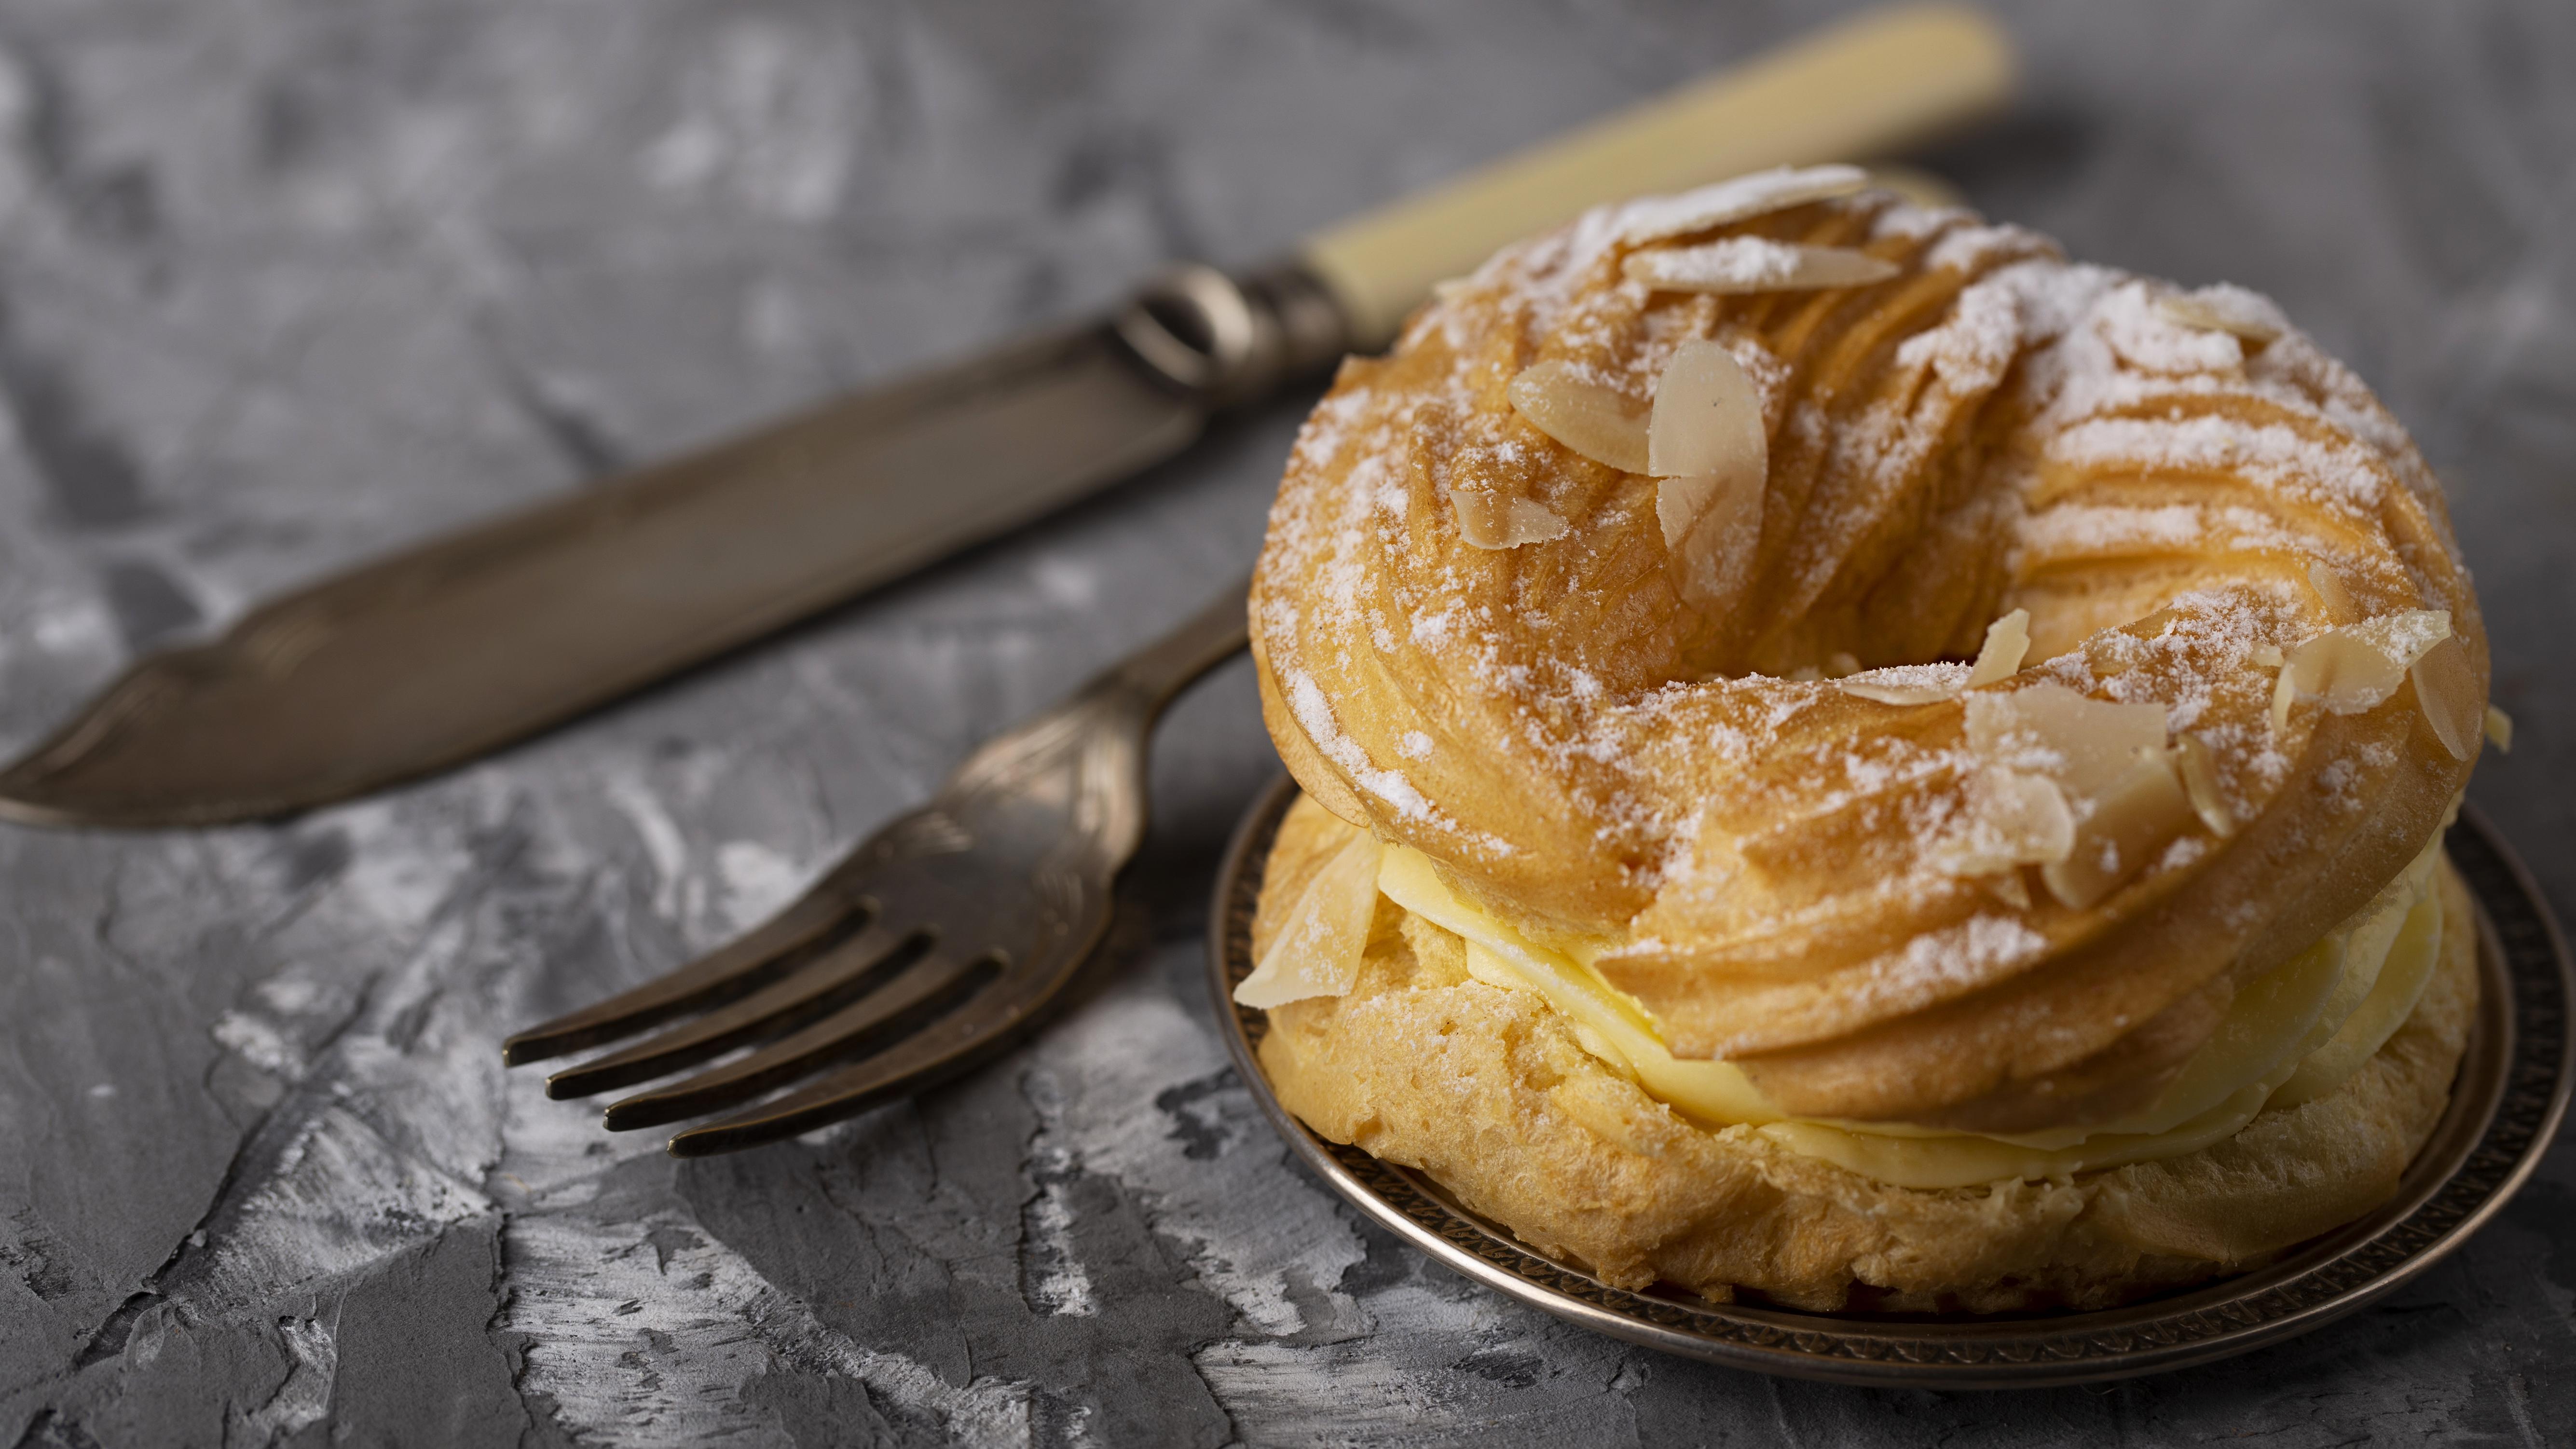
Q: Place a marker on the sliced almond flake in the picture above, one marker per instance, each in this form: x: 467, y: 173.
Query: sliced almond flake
x: 1706, y: 418
x: 1721, y: 526
x: 2357, y: 666
x: 2446, y: 689
x: 1599, y: 422
x: 2222, y: 309
x: 1738, y: 265
x: 1492, y: 522
x: 2088, y: 746
x: 2128, y: 824
x: 2200, y: 781
x: 2007, y: 642
x: 2008, y: 887
x: 1680, y: 502
x: 1907, y: 683
x: 1738, y: 199
x: 2500, y: 730
x: 2331, y: 593
x: 1706, y: 441
x: 1841, y: 664
x: 2266, y: 655
x: 1317, y: 951
x: 2015, y: 818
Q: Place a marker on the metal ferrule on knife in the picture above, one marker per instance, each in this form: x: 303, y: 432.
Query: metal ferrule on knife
x: 464, y: 644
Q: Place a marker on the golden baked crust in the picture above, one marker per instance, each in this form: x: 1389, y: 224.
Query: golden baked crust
x: 1624, y: 769
x: 1488, y: 1091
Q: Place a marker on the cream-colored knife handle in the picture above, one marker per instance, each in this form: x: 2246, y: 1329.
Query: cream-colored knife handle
x: 1871, y: 86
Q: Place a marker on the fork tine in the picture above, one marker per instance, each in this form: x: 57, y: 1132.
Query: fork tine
x: 823, y: 984
x: 987, y: 1022
x: 816, y: 922
x: 916, y: 1062
x: 918, y: 985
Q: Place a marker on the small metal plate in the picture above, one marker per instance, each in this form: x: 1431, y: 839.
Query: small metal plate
x: 2505, y: 1107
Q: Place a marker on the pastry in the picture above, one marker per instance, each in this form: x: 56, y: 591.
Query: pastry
x: 1852, y: 759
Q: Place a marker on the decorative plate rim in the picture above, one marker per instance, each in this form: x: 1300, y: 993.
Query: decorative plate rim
x: 2506, y: 1105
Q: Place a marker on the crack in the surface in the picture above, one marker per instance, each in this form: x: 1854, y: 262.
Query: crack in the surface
x: 580, y: 440
x: 1233, y: 1426
x: 117, y: 1329
x: 511, y: 1344
x: 259, y: 1141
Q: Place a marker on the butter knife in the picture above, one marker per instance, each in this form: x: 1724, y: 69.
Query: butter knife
x: 463, y: 644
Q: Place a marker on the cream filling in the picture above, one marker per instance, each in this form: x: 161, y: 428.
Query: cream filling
x: 2292, y: 1035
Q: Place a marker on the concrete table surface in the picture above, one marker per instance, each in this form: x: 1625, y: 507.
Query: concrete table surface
x: 282, y: 283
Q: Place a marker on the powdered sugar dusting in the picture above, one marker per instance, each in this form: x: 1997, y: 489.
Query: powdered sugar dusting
x: 2147, y: 487
x: 2277, y: 457
x: 1315, y: 717
x: 1741, y: 264
x: 1966, y: 955
x: 2148, y: 336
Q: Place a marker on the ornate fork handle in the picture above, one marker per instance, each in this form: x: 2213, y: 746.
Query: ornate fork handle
x: 1099, y: 733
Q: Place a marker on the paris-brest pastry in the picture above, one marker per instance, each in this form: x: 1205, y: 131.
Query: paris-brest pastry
x: 1851, y: 759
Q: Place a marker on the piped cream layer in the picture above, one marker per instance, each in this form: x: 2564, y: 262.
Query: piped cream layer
x: 2292, y: 1035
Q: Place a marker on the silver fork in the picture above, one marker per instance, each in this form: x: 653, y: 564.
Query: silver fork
x: 924, y: 952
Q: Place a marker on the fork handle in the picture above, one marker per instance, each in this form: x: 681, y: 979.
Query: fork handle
x: 1155, y: 674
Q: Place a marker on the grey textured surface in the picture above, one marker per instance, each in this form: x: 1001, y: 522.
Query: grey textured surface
x: 283, y: 282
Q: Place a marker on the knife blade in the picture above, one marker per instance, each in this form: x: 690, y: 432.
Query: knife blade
x: 442, y: 652
x: 463, y: 644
